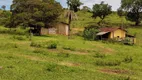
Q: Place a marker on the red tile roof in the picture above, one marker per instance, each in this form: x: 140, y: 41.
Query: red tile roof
x: 106, y: 29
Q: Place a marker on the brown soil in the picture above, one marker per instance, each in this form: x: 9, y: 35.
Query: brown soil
x: 114, y: 71
x: 69, y: 64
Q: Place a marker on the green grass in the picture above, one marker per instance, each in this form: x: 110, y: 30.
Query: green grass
x: 85, y: 19
x: 74, y: 59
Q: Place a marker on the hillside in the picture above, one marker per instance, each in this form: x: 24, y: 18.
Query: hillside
x: 84, y: 19
x: 74, y: 59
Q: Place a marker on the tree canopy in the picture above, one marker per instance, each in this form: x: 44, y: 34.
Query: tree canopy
x: 74, y: 4
x: 134, y: 9
x: 34, y: 13
x: 101, y: 10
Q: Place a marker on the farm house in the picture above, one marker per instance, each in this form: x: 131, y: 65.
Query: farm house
x: 115, y: 33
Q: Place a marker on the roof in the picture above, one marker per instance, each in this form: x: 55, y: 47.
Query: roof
x: 106, y: 29
x: 101, y: 33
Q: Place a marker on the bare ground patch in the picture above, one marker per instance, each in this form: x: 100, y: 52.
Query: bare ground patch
x: 68, y: 51
x: 69, y: 64
x: 114, y: 71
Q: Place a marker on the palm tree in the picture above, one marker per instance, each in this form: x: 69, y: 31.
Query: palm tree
x: 70, y: 15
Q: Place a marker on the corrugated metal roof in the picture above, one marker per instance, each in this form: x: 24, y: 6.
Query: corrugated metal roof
x: 101, y: 33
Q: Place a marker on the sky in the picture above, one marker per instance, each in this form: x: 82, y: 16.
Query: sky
x: 114, y: 3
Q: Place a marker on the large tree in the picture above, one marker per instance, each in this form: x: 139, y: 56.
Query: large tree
x: 101, y: 10
x: 134, y: 9
x: 74, y: 4
x: 34, y: 13
x: 3, y: 7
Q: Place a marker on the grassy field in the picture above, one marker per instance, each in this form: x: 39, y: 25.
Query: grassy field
x: 85, y: 19
x: 74, y: 59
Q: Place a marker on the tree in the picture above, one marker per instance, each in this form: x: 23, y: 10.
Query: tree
x: 101, y: 10
x: 120, y: 13
x: 70, y: 15
x: 34, y: 13
x: 86, y: 8
x: 74, y: 4
x: 3, y: 7
x: 134, y: 9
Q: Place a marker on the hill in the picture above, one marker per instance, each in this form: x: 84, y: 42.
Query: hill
x: 74, y: 59
x: 85, y: 19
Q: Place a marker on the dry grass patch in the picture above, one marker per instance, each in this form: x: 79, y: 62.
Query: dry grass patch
x: 114, y: 71
x: 69, y: 64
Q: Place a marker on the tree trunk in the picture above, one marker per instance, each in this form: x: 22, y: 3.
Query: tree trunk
x: 69, y: 29
x: 99, y: 23
x: 137, y: 23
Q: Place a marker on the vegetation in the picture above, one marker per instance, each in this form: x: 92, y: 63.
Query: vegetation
x: 74, y: 5
x: 133, y: 7
x: 101, y: 10
x: 55, y: 57
x: 89, y: 60
x: 35, y: 14
x: 90, y: 32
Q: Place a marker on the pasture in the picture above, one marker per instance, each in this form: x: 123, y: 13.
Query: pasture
x: 55, y: 57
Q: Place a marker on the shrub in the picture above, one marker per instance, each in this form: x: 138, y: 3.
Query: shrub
x: 36, y: 44
x: 51, y: 67
x: 99, y: 55
x: 71, y: 48
x: 47, y: 44
x: 19, y: 38
x: 16, y: 31
x: 62, y: 54
x: 108, y: 63
x: 90, y: 32
x: 128, y: 59
x: 52, y: 45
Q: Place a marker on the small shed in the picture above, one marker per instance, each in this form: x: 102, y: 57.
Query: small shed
x: 60, y: 28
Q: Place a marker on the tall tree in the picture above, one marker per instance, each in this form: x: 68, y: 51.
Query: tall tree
x: 34, y: 13
x: 74, y: 4
x: 101, y: 10
x: 134, y: 9
x: 120, y: 13
x: 3, y: 7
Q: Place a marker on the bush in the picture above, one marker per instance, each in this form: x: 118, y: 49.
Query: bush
x: 52, y: 67
x: 108, y: 63
x: 36, y: 44
x: 128, y: 59
x: 62, y: 54
x: 16, y: 31
x: 90, y: 32
x: 19, y: 38
x: 52, y: 45
x: 47, y: 44
x: 99, y: 55
x: 71, y: 48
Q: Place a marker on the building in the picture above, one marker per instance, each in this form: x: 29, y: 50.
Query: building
x: 118, y: 34
x: 111, y: 33
x: 60, y: 28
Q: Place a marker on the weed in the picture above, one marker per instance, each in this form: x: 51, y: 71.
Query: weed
x: 52, y: 45
x: 108, y: 63
x: 128, y: 59
x: 52, y: 67
x: 99, y: 55
x: 71, y: 48
x: 62, y: 54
